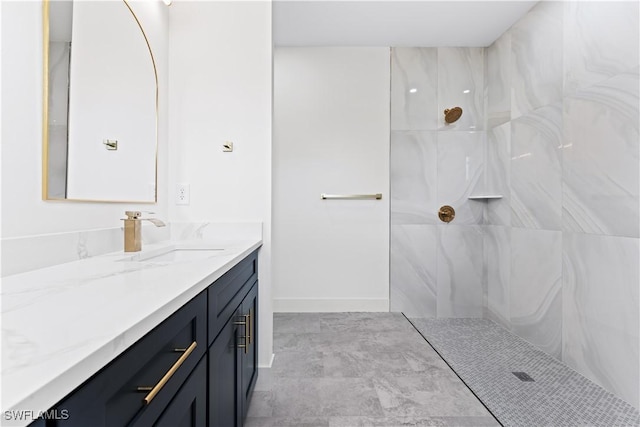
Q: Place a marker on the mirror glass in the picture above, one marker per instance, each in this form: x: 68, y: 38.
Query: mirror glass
x: 100, y: 128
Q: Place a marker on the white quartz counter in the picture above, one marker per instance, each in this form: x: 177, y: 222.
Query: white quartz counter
x: 62, y: 324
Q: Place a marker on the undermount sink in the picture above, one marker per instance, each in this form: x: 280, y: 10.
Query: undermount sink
x: 177, y: 255
x: 173, y: 254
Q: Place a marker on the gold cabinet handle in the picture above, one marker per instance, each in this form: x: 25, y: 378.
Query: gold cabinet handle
x: 250, y: 325
x: 247, y: 334
x: 156, y: 388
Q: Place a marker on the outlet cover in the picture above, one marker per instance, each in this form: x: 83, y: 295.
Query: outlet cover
x: 183, y: 196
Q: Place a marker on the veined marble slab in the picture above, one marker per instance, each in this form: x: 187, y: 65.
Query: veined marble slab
x: 601, y: 158
x: 414, y: 160
x: 535, y: 293
x: 600, y: 41
x: 497, y: 78
x: 601, y: 319
x: 414, y: 83
x: 413, y: 269
x: 62, y: 324
x: 536, y: 61
x: 497, y: 273
x: 460, y: 174
x: 498, y: 174
x: 536, y: 169
x: 461, y: 84
x: 459, y: 272
x: 20, y: 254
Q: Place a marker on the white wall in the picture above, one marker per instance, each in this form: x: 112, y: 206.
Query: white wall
x: 220, y: 69
x: 24, y: 213
x: 331, y: 135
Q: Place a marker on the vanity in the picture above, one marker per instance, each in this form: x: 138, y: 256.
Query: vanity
x: 165, y: 337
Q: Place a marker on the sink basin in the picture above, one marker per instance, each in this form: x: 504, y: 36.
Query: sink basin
x: 182, y: 255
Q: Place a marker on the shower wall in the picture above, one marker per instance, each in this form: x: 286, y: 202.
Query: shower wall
x: 551, y: 123
x: 562, y: 248
x: 437, y: 268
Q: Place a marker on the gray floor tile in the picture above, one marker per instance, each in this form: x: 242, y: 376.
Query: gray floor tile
x: 310, y: 342
x: 365, y: 322
x: 294, y: 397
x: 287, y: 422
x: 261, y: 404
x: 440, y: 394
x: 298, y: 364
x: 362, y: 364
x: 411, y: 422
x: 296, y: 323
x: 358, y: 369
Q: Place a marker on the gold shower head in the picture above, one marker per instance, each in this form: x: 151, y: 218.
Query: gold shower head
x: 453, y: 114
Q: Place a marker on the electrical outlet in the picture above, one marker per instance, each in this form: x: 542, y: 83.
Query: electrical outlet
x: 182, y: 194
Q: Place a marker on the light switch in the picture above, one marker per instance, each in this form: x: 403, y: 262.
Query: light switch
x: 227, y: 147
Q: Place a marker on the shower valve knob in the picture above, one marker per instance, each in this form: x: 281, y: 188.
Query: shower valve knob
x: 446, y: 213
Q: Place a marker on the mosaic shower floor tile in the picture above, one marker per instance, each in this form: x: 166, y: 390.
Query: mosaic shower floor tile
x: 495, y: 364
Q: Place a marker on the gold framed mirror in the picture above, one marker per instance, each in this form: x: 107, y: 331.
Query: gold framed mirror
x: 100, y: 93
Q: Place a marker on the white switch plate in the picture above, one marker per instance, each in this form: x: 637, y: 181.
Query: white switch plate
x: 183, y: 196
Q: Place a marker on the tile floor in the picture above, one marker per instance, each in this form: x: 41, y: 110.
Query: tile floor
x: 485, y: 354
x: 359, y: 369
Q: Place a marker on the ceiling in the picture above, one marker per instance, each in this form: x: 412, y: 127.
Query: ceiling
x: 393, y: 23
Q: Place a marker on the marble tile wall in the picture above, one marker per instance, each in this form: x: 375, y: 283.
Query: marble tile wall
x: 552, y: 123
x: 414, y: 260
x: 600, y: 310
x: 535, y: 288
x: 567, y: 148
x: 436, y: 268
x: 461, y: 83
x: 536, y: 59
x: 498, y: 174
x: 497, y: 274
x: 414, y: 88
x: 536, y: 171
x: 459, y: 271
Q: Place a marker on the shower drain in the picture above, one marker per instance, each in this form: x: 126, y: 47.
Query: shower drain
x: 522, y: 376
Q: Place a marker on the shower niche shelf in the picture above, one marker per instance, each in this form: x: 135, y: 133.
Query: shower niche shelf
x: 485, y: 197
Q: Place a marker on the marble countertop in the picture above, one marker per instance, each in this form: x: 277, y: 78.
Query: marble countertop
x: 62, y: 324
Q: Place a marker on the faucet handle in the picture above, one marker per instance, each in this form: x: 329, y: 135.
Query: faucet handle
x: 138, y: 215
x: 133, y: 214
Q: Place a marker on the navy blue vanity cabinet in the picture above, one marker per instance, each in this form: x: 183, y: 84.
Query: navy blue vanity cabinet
x: 197, y: 368
x: 224, y: 376
x: 249, y: 363
x: 188, y: 407
x: 233, y: 351
x: 159, y: 362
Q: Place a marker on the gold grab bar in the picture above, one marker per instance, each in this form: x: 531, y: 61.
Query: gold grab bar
x: 376, y: 196
x: 156, y: 388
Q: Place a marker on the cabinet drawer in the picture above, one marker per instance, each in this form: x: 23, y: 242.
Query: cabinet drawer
x: 111, y: 397
x: 227, y: 293
x: 188, y: 407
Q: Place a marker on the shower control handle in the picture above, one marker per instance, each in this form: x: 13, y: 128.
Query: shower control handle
x: 446, y: 213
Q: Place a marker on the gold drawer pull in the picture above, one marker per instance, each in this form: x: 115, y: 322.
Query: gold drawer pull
x: 247, y: 334
x: 153, y: 391
x: 250, y: 325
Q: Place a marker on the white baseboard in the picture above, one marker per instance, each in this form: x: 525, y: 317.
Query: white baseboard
x: 261, y: 366
x: 328, y: 305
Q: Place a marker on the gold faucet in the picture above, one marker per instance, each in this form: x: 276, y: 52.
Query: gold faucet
x: 133, y: 230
